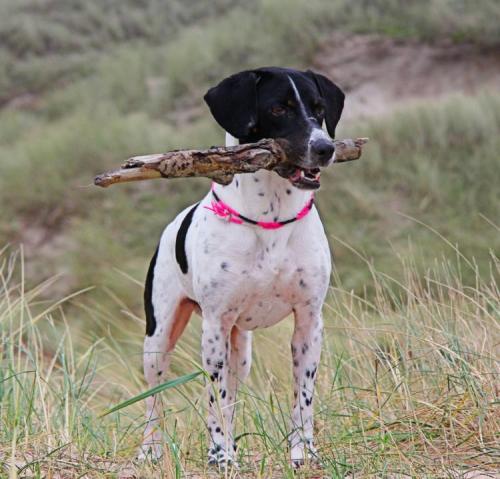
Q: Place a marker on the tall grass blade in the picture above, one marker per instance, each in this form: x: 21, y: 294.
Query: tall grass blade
x: 150, y: 392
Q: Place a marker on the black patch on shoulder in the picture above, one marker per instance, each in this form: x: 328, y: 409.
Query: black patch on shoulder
x: 148, y: 293
x: 180, y: 241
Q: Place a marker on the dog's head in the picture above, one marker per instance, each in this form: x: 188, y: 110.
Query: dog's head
x: 286, y: 104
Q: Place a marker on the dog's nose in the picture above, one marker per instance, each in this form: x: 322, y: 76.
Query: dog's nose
x: 322, y: 150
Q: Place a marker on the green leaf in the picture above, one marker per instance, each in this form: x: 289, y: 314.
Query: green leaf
x: 150, y: 392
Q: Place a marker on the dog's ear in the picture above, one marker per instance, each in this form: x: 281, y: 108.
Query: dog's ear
x: 233, y: 103
x: 334, y: 100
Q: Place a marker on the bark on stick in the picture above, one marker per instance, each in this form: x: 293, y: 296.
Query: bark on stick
x: 218, y: 163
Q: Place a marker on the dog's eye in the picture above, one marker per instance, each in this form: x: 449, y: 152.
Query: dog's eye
x: 278, y: 110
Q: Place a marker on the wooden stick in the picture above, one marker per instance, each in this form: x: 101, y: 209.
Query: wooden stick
x: 218, y: 163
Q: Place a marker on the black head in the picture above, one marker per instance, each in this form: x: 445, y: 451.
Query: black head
x: 282, y: 103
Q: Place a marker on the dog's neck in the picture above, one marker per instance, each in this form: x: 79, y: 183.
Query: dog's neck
x: 262, y: 196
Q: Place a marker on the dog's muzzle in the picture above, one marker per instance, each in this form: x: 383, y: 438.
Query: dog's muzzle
x: 321, y: 151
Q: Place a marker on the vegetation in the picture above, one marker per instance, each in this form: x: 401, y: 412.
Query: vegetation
x: 408, y: 383
x: 408, y: 376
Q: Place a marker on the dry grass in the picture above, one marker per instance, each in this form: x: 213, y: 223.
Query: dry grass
x: 408, y: 385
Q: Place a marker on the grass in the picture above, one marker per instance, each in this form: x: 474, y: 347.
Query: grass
x: 426, y: 163
x: 409, y: 374
x: 408, y: 384
x: 47, y: 44
x: 142, y: 92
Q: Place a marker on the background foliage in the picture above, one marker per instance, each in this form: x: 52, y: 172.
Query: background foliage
x: 84, y: 85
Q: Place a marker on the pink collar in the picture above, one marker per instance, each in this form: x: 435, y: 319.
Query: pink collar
x: 221, y: 209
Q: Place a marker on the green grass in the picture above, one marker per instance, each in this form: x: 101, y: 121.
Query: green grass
x: 427, y: 167
x: 407, y: 384
x: 409, y: 368
x: 49, y: 43
x: 144, y: 93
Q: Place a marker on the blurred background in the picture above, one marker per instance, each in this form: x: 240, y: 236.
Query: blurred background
x: 87, y: 84
x: 84, y: 85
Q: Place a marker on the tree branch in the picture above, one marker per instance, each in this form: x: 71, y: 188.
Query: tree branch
x: 218, y: 163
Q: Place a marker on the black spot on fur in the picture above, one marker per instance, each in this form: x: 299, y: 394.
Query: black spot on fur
x: 219, y: 364
x: 180, y: 240
x: 224, y: 266
x: 223, y: 393
x: 288, y: 192
x: 148, y: 293
x: 302, y: 284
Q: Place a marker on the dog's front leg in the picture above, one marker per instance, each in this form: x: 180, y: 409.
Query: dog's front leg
x: 215, y: 354
x: 306, y: 351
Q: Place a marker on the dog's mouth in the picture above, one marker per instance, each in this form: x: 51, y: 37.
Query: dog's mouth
x: 305, y: 178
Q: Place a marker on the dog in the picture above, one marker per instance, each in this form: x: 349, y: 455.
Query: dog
x: 248, y: 255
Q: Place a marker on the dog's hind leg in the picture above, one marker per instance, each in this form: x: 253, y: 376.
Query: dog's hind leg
x: 157, y: 354
x: 240, y: 360
x: 168, y: 314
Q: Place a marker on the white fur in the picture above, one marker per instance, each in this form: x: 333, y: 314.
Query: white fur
x: 243, y: 277
x: 298, y: 98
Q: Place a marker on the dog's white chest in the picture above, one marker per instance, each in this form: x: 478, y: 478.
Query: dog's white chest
x: 270, y: 290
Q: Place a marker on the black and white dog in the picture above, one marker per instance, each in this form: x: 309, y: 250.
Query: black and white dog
x: 249, y: 254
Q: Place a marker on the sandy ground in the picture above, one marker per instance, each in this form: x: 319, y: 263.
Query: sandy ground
x: 379, y: 74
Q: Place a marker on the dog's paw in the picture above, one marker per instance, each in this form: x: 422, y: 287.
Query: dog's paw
x: 300, y: 454
x: 220, y: 458
x: 150, y: 452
